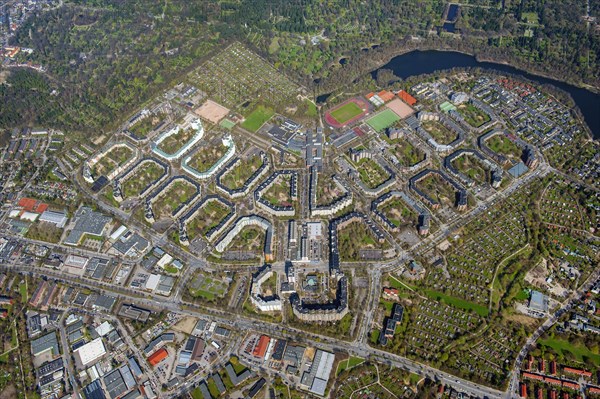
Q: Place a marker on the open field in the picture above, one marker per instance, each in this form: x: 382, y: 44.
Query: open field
x: 257, y: 118
x: 209, y: 216
x: 250, y: 239
x: 206, y: 157
x: 503, y: 145
x: 383, y: 120
x: 398, y: 213
x: 406, y: 153
x: 580, y: 352
x: 473, y: 168
x: 473, y: 115
x: 138, y: 181
x: 439, y: 132
x: 371, y: 173
x: 171, y: 144
x: 142, y: 128
x: 207, y: 287
x: 111, y: 160
x: 481, y: 310
x: 279, y: 192
x: 346, y: 112
x: 236, y: 177
x: 177, y: 193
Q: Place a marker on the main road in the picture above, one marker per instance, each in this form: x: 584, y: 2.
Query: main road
x: 242, y: 323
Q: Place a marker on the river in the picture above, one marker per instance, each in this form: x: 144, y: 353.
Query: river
x: 425, y: 62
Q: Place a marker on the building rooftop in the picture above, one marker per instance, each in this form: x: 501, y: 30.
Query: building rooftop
x: 87, y: 222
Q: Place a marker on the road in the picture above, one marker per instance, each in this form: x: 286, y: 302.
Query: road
x: 241, y: 323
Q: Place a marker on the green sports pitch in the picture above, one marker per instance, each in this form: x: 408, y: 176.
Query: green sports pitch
x: 346, y: 112
x: 383, y: 120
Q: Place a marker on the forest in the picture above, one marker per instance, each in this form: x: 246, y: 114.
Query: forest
x: 104, y: 58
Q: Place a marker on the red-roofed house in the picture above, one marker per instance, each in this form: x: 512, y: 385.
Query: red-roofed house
x: 390, y: 293
x: 553, y: 394
x: 572, y: 385
x: 593, y: 390
x: 539, y: 393
x: 523, y: 390
x: 571, y: 370
x: 553, y: 367
x: 532, y: 376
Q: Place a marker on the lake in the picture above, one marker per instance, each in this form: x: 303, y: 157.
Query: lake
x: 426, y: 62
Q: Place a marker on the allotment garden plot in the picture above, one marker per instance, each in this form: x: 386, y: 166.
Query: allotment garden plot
x: 236, y: 75
x: 563, y: 206
x: 471, y: 265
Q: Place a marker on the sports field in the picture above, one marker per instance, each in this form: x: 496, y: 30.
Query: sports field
x: 257, y: 118
x: 346, y: 112
x: 227, y: 124
x: 383, y: 120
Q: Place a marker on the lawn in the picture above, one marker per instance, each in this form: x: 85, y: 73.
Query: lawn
x: 206, y: 157
x: 197, y: 394
x: 257, y: 118
x: 472, y: 167
x: 208, y: 217
x: 177, y: 193
x: 407, y: 154
x: 171, y: 144
x: 141, y: 178
x: 237, y: 366
x: 23, y: 291
x: 375, y: 336
x: 371, y: 173
x: 348, y: 364
x: 398, y: 213
x: 346, y: 112
x: 457, y: 302
x: 147, y: 125
x: 580, y: 352
x: 503, y: 145
x: 473, y: 115
x: 383, y: 120
x: 236, y: 177
x: 439, y: 132
x: 227, y: 124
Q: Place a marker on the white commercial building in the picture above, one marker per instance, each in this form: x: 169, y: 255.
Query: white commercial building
x: 90, y: 352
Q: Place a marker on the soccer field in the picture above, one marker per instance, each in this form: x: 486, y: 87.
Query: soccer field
x: 346, y: 112
x: 383, y: 120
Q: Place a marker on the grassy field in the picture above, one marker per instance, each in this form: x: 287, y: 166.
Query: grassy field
x: 407, y: 154
x: 209, y: 216
x: 257, y: 118
x: 398, y: 213
x: 206, y: 157
x: 472, y: 168
x: 236, y: 177
x: 149, y: 172
x: 177, y: 193
x: 473, y: 115
x: 383, y: 120
x: 279, y: 193
x: 457, y: 302
x: 371, y: 173
x: 348, y: 364
x: 171, y: 144
x: 503, y: 145
x: 580, y: 352
x: 346, y: 112
x: 227, y: 124
x: 439, y: 132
